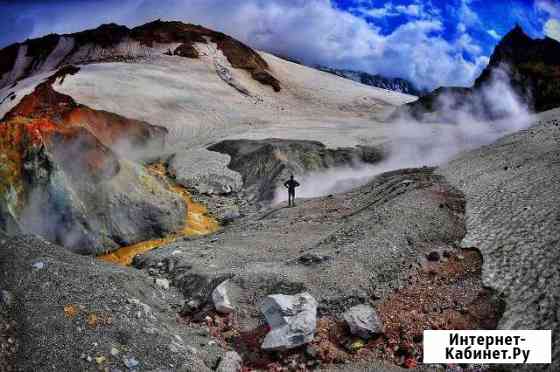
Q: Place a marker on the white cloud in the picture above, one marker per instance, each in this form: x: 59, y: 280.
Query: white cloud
x: 386, y: 11
x: 314, y: 31
x: 552, y: 28
x: 461, y: 28
x: 494, y: 34
x: 414, y: 10
x: 550, y: 7
x: 466, y: 43
x: 466, y: 15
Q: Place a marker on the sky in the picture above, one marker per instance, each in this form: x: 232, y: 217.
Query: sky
x: 429, y: 42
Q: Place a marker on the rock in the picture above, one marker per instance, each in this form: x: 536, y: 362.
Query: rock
x: 309, y: 259
x: 197, y: 289
x: 229, y: 216
x: 355, y: 345
x: 131, y: 362
x: 433, y: 256
x: 38, y: 265
x: 221, y: 300
x: 292, y: 320
x: 363, y: 321
x: 265, y: 164
x: 163, y: 283
x: 231, y: 362
x: 311, y: 351
x: 6, y: 298
x: 205, y: 171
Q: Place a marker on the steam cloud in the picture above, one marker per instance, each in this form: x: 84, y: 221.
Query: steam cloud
x: 415, y: 144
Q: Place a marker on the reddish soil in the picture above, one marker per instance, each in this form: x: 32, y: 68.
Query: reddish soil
x: 445, y: 294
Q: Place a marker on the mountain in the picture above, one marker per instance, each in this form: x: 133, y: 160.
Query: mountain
x: 395, y: 84
x: 82, y: 113
x: 530, y: 66
x: 161, y: 153
x: 112, y: 42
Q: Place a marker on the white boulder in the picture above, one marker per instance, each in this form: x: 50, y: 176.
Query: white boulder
x: 221, y: 300
x: 292, y: 320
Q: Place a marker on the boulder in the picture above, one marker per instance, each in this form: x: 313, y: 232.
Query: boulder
x: 205, y: 171
x: 197, y: 289
x: 162, y: 283
x: 292, y: 320
x: 231, y: 362
x: 221, y: 300
x: 363, y: 321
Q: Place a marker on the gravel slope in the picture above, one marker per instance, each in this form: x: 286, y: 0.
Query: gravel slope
x: 512, y: 189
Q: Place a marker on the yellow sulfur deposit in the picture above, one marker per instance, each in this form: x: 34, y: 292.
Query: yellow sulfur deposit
x: 198, y: 222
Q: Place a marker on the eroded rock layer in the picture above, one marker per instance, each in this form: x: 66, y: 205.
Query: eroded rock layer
x: 62, y: 175
x: 266, y: 164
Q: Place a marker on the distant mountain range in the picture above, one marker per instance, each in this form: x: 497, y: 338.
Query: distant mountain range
x: 396, y: 84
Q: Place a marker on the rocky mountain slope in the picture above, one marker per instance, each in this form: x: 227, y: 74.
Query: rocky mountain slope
x: 125, y: 140
x: 395, y: 84
x: 113, y: 43
x: 402, y: 243
x: 531, y: 67
x: 75, y: 135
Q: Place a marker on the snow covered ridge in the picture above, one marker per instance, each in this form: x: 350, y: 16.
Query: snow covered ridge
x: 395, y: 84
x: 113, y: 43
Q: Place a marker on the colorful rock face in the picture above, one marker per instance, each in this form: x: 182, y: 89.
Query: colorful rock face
x: 62, y: 176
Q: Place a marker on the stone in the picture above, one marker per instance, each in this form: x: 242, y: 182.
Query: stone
x: 5, y: 298
x: 131, y: 362
x: 433, y: 256
x: 38, y: 265
x: 221, y: 300
x: 292, y: 319
x: 205, y: 171
x: 231, y: 362
x: 363, y: 321
x: 162, y: 283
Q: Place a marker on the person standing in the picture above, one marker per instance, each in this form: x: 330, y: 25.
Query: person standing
x: 291, y: 185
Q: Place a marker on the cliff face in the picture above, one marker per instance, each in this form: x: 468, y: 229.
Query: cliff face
x: 534, y: 68
x: 530, y: 66
x: 63, y: 175
x: 112, y: 42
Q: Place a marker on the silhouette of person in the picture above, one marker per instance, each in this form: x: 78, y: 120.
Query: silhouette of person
x: 291, y: 185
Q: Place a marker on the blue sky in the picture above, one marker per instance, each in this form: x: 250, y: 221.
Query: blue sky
x: 432, y: 42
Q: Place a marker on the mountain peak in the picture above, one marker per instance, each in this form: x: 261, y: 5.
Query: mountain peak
x: 516, y: 37
x: 113, y: 42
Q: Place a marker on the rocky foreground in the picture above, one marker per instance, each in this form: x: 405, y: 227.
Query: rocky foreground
x: 343, y: 282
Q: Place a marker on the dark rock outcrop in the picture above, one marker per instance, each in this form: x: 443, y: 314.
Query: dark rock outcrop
x: 265, y: 164
x: 530, y: 66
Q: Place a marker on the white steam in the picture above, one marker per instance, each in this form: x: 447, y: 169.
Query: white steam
x: 415, y: 144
